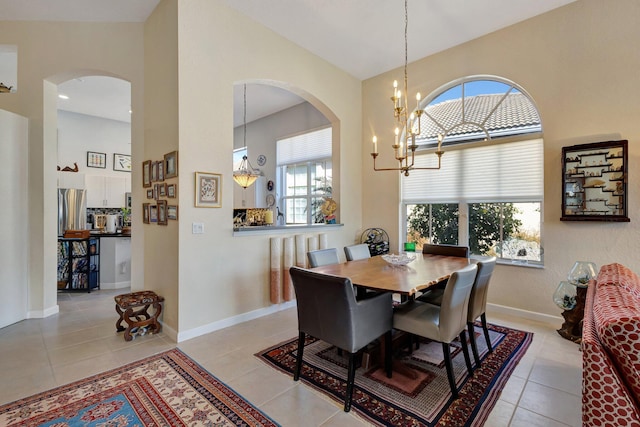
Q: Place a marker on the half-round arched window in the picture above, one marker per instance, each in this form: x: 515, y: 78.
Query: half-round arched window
x: 477, y: 109
x: 488, y: 192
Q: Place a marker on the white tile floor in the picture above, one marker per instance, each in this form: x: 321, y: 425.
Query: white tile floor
x: 39, y: 354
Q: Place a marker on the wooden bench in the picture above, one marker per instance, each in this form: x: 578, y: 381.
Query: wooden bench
x: 133, y: 308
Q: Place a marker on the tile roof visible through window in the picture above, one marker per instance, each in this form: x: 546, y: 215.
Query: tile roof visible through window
x: 514, y: 115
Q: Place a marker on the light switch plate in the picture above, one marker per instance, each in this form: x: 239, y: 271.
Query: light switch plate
x: 197, y: 228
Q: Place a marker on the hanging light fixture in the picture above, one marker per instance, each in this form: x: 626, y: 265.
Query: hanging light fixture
x: 245, y: 175
x: 404, y: 146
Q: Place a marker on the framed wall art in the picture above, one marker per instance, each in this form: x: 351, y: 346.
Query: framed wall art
x: 161, y: 171
x: 171, y: 164
x: 171, y: 191
x: 162, y: 212
x: 208, y: 188
x: 154, y: 171
x: 96, y: 160
x: 145, y: 213
x: 172, y: 212
x: 121, y: 162
x: 150, y: 194
x: 594, y: 182
x: 153, y: 213
x: 146, y: 174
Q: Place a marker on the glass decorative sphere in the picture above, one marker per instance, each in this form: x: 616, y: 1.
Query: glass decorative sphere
x: 565, y: 296
x: 581, y: 273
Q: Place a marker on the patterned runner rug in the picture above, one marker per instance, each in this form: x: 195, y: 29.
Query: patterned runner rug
x: 168, y: 389
x: 420, y: 395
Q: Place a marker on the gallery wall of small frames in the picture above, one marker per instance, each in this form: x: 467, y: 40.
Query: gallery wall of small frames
x: 161, y: 189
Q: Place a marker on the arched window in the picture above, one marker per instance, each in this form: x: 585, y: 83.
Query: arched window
x: 489, y: 192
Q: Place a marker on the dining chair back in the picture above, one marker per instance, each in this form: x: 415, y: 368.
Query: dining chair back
x: 447, y: 250
x: 442, y: 323
x: 328, y: 310
x: 478, y: 304
x: 434, y: 294
x: 322, y: 257
x: 355, y: 252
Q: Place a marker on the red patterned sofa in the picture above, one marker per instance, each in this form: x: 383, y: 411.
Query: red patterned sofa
x: 611, y: 349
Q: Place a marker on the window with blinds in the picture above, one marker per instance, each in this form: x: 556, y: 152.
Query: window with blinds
x: 305, y: 175
x: 489, y: 190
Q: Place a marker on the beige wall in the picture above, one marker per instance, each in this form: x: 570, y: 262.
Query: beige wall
x: 161, y: 254
x: 48, y: 54
x: 580, y: 65
x: 221, y: 276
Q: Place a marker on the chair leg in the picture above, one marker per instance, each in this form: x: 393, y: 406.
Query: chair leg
x: 472, y: 339
x: 465, y: 351
x: 296, y: 374
x: 388, y: 354
x: 351, y: 374
x: 449, y: 366
x: 483, y: 319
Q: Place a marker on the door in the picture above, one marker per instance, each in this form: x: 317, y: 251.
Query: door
x: 14, y: 226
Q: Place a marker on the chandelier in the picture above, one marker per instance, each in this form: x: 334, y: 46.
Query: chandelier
x: 245, y: 175
x: 404, y: 146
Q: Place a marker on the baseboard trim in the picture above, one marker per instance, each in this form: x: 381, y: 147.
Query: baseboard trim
x: 41, y: 314
x: 230, y: 321
x: 526, y: 314
x: 117, y: 285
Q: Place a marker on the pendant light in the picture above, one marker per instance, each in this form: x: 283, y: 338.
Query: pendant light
x: 245, y: 175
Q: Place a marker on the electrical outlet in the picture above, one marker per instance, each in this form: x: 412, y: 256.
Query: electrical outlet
x: 197, y: 228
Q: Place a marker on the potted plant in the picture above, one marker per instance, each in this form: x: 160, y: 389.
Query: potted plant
x: 126, y: 220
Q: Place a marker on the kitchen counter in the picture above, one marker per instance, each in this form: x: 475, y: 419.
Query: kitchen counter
x: 115, y: 260
x: 105, y: 234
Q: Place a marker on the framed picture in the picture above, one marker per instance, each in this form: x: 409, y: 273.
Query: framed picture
x: 172, y: 212
x: 150, y: 194
x: 146, y: 174
x: 162, y: 212
x: 121, y: 162
x: 153, y: 213
x: 171, y: 191
x: 161, y: 171
x: 156, y: 191
x: 154, y: 171
x: 127, y: 200
x: 96, y: 160
x: 162, y: 190
x: 171, y: 164
x: 208, y: 190
x: 145, y: 213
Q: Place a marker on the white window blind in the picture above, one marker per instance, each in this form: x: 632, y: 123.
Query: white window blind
x: 507, y: 172
x: 306, y: 147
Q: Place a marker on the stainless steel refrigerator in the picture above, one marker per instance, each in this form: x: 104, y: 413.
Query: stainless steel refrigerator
x: 72, y: 209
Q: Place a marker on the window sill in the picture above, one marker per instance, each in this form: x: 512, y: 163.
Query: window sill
x: 281, y: 229
x: 519, y: 264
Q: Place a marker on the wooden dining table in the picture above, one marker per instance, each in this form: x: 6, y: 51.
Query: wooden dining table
x: 376, y: 274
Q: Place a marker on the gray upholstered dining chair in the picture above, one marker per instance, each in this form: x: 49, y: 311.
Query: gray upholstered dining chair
x: 355, y: 252
x: 442, y: 323
x: 435, y: 292
x: 322, y: 257
x: 478, y: 304
x: 328, y: 310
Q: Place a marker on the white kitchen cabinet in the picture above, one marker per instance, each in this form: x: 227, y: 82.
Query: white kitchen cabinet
x: 105, y: 191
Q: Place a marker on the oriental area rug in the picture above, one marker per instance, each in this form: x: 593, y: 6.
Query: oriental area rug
x: 419, y: 393
x: 168, y: 389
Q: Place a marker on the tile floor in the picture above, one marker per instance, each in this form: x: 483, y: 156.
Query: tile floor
x: 39, y: 354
